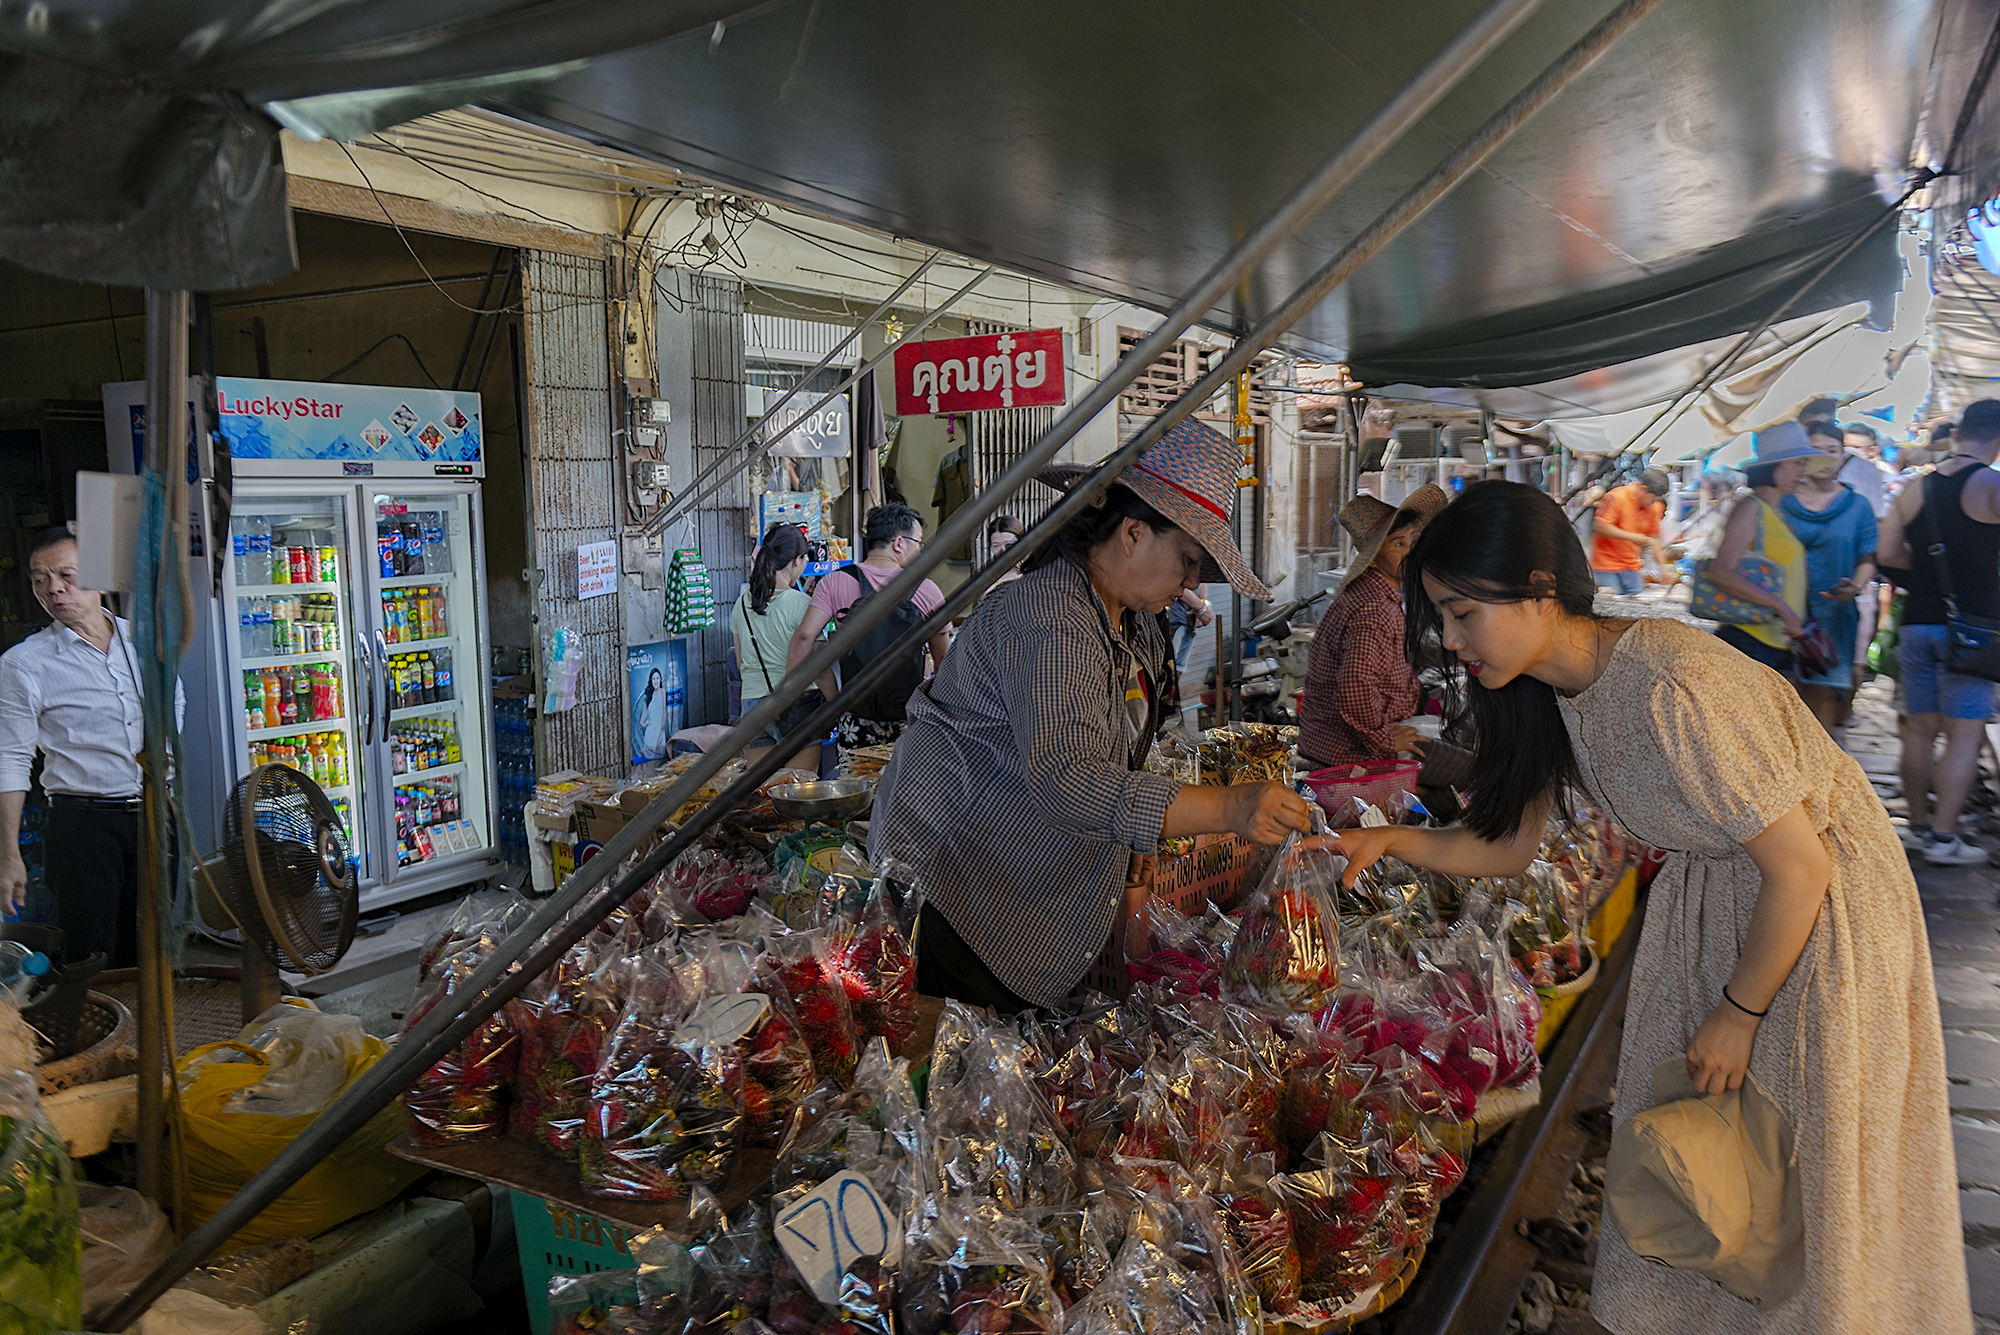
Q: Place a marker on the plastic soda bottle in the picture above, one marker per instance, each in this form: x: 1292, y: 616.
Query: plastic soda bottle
x: 441, y: 672
x: 273, y: 709
x: 253, y: 700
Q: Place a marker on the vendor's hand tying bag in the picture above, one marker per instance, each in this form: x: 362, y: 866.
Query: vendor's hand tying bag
x: 1706, y: 1183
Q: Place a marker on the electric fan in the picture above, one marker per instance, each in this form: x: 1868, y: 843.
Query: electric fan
x: 281, y: 878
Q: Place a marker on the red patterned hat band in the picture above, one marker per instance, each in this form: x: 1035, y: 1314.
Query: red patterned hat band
x: 1194, y: 496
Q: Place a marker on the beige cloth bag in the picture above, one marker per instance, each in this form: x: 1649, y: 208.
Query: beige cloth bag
x: 1706, y: 1183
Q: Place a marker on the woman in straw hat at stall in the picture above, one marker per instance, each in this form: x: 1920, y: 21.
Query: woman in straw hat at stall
x: 1015, y: 797
x: 1359, y: 687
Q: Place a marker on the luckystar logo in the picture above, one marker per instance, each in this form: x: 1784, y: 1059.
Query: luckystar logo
x: 302, y: 406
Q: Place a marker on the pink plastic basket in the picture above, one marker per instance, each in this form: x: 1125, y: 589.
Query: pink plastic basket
x: 1374, y: 783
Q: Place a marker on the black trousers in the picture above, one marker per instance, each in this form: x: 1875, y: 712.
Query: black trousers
x: 90, y: 859
x: 948, y: 967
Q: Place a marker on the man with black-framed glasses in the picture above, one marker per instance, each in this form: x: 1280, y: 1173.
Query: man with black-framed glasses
x: 892, y: 536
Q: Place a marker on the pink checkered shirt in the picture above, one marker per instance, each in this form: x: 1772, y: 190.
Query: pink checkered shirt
x: 1358, y: 684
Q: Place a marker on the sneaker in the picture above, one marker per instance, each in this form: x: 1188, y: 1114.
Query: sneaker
x: 1952, y: 851
x: 1914, y: 839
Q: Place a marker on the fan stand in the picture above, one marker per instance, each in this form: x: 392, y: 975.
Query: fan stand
x: 261, y: 988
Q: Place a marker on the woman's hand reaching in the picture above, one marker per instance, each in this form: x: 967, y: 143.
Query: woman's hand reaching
x: 1363, y: 849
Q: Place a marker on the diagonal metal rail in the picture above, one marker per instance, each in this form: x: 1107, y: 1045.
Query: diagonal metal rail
x: 719, y: 473
x: 585, y: 899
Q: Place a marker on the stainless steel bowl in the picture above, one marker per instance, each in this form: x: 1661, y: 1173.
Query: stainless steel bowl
x: 829, y: 800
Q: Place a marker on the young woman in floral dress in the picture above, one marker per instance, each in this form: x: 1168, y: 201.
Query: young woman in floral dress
x: 1783, y: 937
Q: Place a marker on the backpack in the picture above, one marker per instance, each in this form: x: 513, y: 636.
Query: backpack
x: 886, y: 702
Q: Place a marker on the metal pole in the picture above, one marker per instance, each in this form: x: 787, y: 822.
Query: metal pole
x: 566, y: 914
x: 166, y: 457
x: 724, y: 463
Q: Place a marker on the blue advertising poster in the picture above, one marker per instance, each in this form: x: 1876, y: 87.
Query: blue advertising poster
x: 658, y: 674
x: 292, y: 428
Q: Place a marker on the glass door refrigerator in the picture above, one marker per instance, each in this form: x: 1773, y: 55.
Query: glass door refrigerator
x: 296, y: 673
x: 425, y: 624
x: 348, y: 634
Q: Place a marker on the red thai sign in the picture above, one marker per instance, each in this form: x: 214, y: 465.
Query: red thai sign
x: 986, y: 371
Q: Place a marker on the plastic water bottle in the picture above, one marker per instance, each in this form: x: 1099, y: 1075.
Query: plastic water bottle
x: 246, y: 620
x: 257, y: 547
x: 20, y: 967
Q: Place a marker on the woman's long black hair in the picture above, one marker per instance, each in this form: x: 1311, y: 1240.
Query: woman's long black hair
x: 1502, y: 542
x: 784, y: 544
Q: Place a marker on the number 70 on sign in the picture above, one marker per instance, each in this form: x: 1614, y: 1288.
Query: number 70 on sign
x: 841, y: 1221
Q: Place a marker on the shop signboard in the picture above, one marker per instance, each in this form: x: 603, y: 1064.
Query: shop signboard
x: 596, y: 569
x: 978, y: 374
x: 825, y: 433
x: 291, y: 428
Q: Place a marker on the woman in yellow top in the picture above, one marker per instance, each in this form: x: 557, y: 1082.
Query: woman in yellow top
x: 1783, y: 459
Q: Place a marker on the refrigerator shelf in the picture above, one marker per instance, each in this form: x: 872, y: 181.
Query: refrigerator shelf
x: 292, y: 660
x: 414, y: 581
x: 435, y: 772
x: 261, y: 590
x: 297, y: 729
x: 431, y: 710
x: 420, y: 646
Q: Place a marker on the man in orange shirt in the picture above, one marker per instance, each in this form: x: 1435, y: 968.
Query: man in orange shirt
x: 1627, y: 518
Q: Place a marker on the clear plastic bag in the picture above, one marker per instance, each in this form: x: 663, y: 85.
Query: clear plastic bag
x: 979, y: 1271
x: 124, y: 1237
x: 1348, y: 1222
x: 607, y: 1301
x: 803, y: 968
x: 874, y: 1129
x: 663, y: 1118
x: 1145, y: 1293
x: 41, y: 1249
x: 876, y: 968
x: 309, y: 1055
x: 1286, y: 956
x: 564, y: 1019
x: 990, y: 1134
x: 464, y: 1095
x: 1260, y: 1228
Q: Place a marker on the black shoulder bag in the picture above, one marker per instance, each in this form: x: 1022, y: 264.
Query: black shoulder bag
x: 799, y: 710
x: 1972, y: 644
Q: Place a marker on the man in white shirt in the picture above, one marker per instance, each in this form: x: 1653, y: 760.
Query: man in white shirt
x: 71, y: 691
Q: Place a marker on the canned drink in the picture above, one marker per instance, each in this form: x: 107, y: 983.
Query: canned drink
x: 297, y: 559
x: 312, y: 565
x: 329, y: 564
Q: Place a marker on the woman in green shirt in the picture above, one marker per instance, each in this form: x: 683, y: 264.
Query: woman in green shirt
x: 763, y: 621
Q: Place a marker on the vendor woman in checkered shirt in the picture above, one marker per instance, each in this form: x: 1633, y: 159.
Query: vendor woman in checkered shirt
x: 1015, y: 796
x: 1359, y: 686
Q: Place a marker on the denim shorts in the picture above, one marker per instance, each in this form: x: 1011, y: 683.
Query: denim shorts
x: 1631, y: 583
x: 770, y: 736
x: 1928, y: 688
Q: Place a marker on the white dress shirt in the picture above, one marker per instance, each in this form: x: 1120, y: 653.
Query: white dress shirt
x: 79, y: 706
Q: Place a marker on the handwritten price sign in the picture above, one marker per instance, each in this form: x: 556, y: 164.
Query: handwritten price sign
x: 829, y: 1230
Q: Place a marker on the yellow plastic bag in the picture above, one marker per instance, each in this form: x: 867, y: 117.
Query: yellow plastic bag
x: 226, y: 1148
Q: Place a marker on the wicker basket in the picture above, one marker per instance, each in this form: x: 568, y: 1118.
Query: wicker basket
x: 1389, y: 1295
x: 208, y: 1001
x: 104, y: 1041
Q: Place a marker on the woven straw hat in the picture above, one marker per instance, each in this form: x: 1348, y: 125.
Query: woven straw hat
x: 1369, y: 521
x: 1189, y: 476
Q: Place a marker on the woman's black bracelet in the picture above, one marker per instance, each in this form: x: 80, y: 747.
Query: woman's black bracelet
x: 1740, y: 1006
